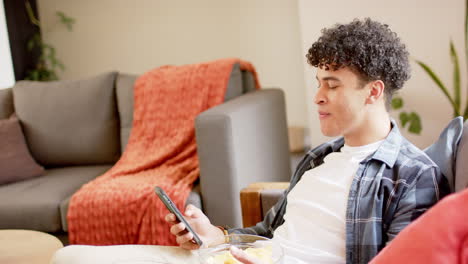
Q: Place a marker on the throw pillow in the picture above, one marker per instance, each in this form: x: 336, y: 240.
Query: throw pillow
x: 16, y: 163
x: 461, y: 167
x: 444, y: 151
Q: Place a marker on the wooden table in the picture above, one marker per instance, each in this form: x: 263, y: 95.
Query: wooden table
x: 27, y: 247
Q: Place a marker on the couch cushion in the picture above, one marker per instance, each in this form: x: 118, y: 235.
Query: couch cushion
x: 461, y: 167
x: 34, y: 203
x: 124, y: 90
x: 6, y: 103
x: 16, y: 162
x: 70, y: 122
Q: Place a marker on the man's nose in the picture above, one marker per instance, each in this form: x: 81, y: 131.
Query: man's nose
x: 320, y: 97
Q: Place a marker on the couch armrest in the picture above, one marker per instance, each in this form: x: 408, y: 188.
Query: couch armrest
x: 258, y: 198
x: 239, y: 142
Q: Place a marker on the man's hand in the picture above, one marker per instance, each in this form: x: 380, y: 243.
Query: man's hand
x: 207, y: 232
x: 243, y: 257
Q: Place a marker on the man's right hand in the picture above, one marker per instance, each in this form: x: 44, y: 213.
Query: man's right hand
x: 208, y: 233
x: 242, y: 257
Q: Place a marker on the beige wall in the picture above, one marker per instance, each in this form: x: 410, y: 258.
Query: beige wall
x: 426, y: 27
x: 136, y: 36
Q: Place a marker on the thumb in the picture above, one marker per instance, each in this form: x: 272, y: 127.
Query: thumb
x: 243, y: 257
x: 193, y: 211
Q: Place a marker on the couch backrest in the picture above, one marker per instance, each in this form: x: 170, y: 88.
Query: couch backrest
x: 240, y: 82
x: 70, y: 122
x: 6, y: 103
x: 248, y: 82
x: 235, y: 85
x: 124, y: 91
x: 461, y: 167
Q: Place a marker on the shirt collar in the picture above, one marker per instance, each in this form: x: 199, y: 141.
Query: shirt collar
x: 388, y: 151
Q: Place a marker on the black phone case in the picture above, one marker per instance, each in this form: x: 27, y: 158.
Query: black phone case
x: 173, y: 209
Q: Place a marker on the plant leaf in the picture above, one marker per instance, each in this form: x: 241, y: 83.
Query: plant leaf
x: 34, y: 41
x: 456, y: 79
x: 52, y: 61
x: 436, y: 79
x: 397, y: 103
x: 415, y: 126
x: 30, y: 44
x: 31, y: 16
x: 404, y: 118
x: 35, y: 75
x: 66, y: 20
x: 60, y: 65
x: 52, y: 51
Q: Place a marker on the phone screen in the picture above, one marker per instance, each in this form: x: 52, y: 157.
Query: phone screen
x: 173, y: 209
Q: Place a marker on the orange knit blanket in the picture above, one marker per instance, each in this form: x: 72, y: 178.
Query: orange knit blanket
x: 120, y: 206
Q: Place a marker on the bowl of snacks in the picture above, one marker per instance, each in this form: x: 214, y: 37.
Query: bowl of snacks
x: 261, y: 248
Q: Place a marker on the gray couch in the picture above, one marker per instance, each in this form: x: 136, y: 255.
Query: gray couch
x: 78, y: 129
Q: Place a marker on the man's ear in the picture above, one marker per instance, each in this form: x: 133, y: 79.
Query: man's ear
x: 376, y: 92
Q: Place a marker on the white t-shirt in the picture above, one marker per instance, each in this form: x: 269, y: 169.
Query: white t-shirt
x: 315, y: 219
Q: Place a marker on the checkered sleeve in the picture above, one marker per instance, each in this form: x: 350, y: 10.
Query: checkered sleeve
x: 263, y: 228
x: 428, y: 188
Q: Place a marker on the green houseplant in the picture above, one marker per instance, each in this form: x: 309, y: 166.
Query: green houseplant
x: 459, y: 106
x: 409, y: 120
x: 47, y: 63
x: 453, y: 97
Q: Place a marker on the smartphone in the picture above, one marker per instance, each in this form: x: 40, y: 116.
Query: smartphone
x: 173, y: 209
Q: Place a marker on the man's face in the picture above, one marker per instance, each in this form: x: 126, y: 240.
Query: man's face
x: 341, y: 101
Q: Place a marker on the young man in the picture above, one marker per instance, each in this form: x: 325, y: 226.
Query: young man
x: 349, y: 197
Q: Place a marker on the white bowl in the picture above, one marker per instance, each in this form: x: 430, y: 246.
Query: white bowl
x: 257, y: 246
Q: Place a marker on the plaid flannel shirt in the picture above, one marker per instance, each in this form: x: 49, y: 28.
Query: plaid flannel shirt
x: 391, y: 188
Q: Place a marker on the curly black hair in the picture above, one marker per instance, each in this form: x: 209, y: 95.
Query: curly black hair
x: 367, y: 47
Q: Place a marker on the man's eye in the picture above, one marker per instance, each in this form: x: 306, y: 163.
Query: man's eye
x: 332, y: 87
